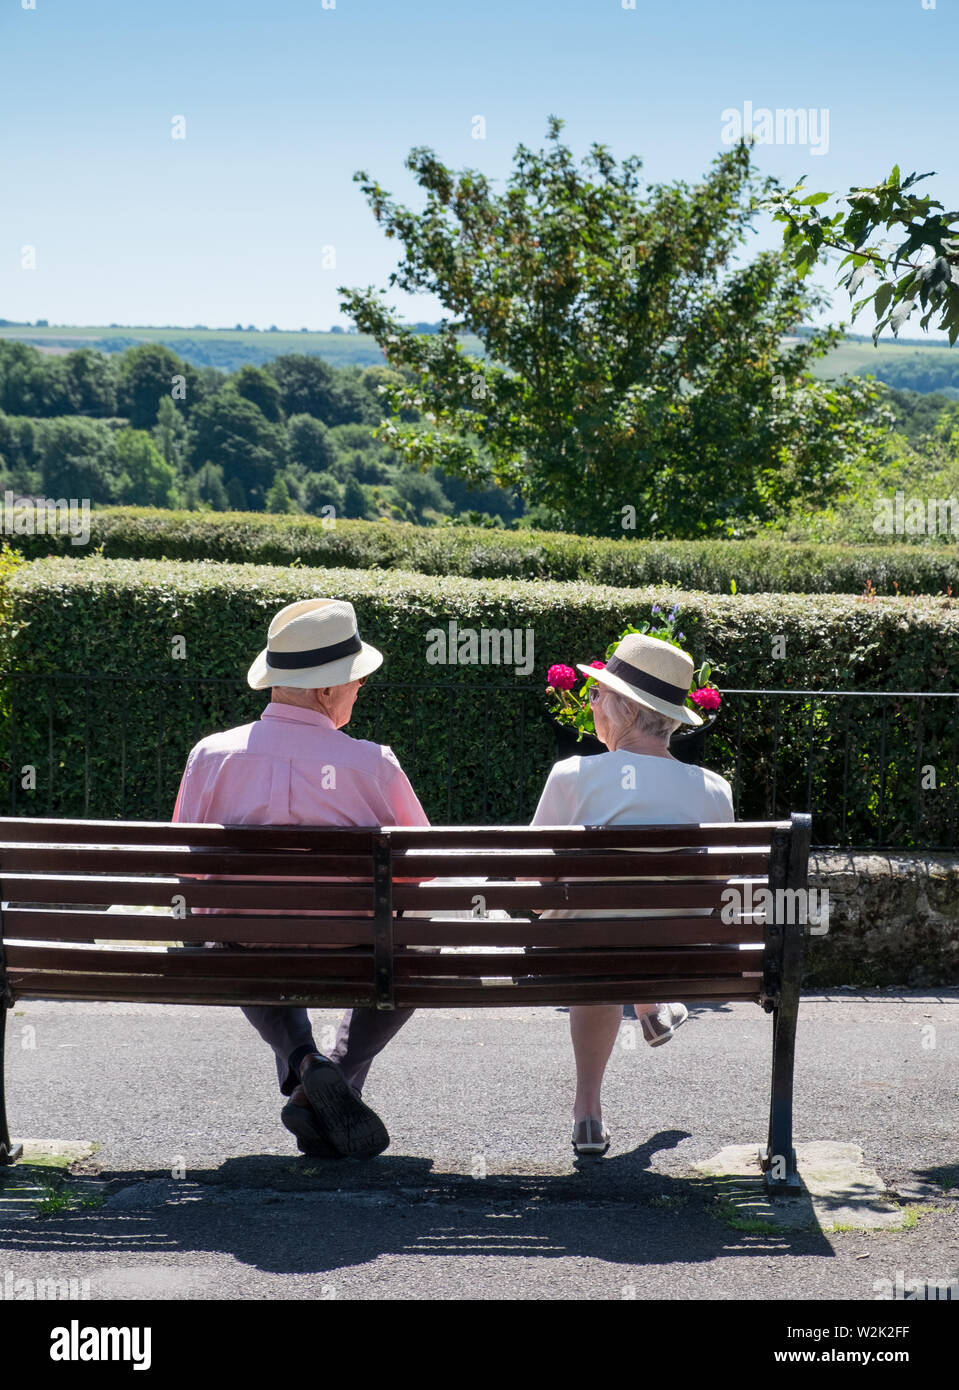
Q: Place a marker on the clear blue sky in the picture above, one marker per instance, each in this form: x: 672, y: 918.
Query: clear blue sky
x: 284, y: 99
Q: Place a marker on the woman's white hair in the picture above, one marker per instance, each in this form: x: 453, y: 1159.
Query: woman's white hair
x: 627, y: 715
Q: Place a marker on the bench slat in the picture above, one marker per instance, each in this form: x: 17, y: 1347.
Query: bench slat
x: 421, y: 994
x: 741, y: 834
x: 142, y: 989
x: 34, y: 829
x: 330, y: 895
x: 151, y: 989
x: 159, y: 892
x: 639, y: 962
x: 596, y: 931
x: 53, y: 924
x: 521, y: 897
x: 175, y: 859
x: 593, y: 863
x: 317, y: 838
x: 310, y: 965
x: 198, y: 965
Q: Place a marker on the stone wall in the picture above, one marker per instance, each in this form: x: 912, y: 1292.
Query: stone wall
x: 893, y: 920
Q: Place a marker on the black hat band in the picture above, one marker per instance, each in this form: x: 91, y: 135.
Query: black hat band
x: 319, y: 656
x: 650, y: 685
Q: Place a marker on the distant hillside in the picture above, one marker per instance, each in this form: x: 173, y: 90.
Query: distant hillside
x: 911, y: 365
x: 226, y: 348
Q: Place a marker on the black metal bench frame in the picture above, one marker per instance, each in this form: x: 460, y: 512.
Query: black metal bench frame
x: 43, y: 946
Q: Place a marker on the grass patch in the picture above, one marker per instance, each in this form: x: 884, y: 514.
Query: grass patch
x: 753, y: 1225
x: 910, y: 1221
x: 58, y: 1199
x: 913, y: 1214
x: 61, y: 1199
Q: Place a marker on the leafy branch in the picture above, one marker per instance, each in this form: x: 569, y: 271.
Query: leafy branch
x: 919, y: 273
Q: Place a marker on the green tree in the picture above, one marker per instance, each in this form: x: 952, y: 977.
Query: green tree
x: 210, y: 489
x: 234, y: 433
x: 145, y: 478
x: 22, y: 379
x: 191, y: 494
x: 355, y: 503
x: 236, y: 496
x: 489, y: 501
x: 355, y: 401
x: 90, y: 381
x: 170, y: 433
x: 56, y: 398
x: 78, y: 459
x: 147, y: 374
x: 310, y: 386
x: 307, y: 385
x: 630, y: 361
x: 309, y: 443
x: 322, y: 490
x: 19, y: 453
x: 375, y: 378
x: 278, y: 498
x: 258, y: 386
x: 917, y: 274
x: 422, y: 492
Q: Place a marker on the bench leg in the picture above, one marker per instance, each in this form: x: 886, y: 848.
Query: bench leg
x: 9, y: 1153
x: 778, y: 1159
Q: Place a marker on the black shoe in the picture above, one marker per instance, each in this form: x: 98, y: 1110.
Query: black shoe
x: 351, y: 1128
x: 310, y: 1139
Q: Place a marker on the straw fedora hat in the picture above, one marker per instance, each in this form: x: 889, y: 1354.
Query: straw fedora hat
x: 313, y: 644
x: 653, y: 673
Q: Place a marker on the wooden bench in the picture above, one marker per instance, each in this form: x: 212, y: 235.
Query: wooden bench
x: 59, y: 941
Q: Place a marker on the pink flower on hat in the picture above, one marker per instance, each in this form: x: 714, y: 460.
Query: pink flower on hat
x: 561, y: 678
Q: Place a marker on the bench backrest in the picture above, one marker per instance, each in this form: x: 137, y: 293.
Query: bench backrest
x: 58, y: 878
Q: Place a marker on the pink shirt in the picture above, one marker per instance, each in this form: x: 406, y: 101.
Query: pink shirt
x: 293, y: 767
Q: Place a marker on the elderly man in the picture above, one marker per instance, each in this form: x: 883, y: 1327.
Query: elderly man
x: 275, y: 772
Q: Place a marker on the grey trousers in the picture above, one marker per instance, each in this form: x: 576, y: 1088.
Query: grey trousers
x: 361, y: 1035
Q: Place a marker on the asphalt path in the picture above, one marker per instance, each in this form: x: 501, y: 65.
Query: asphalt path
x: 479, y: 1195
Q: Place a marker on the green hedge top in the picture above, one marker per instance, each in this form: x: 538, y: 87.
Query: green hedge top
x: 754, y: 566
x: 118, y: 617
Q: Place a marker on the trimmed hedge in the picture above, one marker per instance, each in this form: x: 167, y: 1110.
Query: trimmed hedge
x: 474, y: 752
x: 755, y: 566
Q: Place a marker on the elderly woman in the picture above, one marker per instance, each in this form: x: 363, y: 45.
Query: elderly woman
x: 637, y: 701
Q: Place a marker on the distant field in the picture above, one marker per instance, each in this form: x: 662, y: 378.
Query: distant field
x: 225, y: 348
x: 914, y: 364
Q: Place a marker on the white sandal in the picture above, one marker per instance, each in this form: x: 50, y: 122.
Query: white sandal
x: 590, y: 1136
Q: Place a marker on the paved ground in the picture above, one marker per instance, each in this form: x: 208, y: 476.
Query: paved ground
x: 204, y: 1197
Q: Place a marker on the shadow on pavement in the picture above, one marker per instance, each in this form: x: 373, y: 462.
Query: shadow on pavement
x: 286, y: 1214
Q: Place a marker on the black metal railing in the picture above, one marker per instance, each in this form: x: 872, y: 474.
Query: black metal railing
x: 877, y: 769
